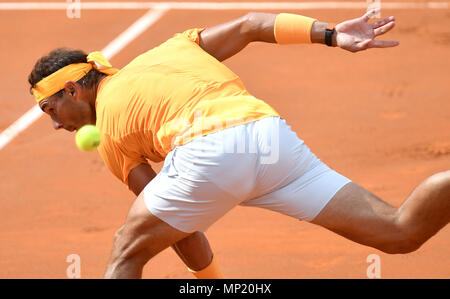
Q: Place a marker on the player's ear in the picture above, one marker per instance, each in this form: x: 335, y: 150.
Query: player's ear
x: 72, y: 88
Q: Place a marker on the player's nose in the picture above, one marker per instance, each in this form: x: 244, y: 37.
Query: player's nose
x: 57, y: 125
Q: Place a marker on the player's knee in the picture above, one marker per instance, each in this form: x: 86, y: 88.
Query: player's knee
x: 403, y: 239
x: 400, y: 246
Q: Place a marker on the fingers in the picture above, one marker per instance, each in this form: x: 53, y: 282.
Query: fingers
x: 383, y: 22
x: 384, y: 28
x: 382, y: 43
x: 366, y: 17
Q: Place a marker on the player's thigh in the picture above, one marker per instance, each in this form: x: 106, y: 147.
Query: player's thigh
x: 359, y: 215
x: 145, y: 233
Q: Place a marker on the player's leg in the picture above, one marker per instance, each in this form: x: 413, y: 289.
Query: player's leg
x: 194, y: 251
x: 299, y: 185
x: 360, y: 216
x: 199, y: 183
x: 141, y: 238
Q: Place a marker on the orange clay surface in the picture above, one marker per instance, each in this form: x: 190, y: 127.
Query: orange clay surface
x: 380, y: 117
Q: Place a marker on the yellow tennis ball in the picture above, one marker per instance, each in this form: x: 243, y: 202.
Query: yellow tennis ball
x: 87, y: 138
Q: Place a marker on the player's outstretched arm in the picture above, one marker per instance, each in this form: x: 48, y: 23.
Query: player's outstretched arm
x: 227, y: 39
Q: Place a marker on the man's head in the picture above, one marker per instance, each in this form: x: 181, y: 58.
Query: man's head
x: 74, y: 105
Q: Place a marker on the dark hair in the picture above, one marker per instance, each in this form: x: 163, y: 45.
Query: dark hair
x: 57, y: 59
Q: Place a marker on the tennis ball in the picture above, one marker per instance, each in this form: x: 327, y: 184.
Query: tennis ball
x: 87, y: 138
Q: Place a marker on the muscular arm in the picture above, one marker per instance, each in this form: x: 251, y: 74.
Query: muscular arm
x: 194, y: 250
x: 225, y: 40
x: 139, y: 177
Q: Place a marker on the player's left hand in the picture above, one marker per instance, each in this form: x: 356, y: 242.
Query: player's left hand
x: 357, y: 34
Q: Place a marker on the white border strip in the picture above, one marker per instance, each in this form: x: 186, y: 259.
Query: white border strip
x: 218, y: 5
x: 109, y: 51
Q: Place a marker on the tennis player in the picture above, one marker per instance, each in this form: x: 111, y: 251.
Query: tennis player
x: 221, y: 146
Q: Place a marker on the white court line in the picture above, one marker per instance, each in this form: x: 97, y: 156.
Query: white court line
x: 20, y: 125
x: 134, y: 31
x: 109, y: 51
x: 220, y: 5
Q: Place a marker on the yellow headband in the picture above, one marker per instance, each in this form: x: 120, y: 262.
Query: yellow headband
x: 72, y: 72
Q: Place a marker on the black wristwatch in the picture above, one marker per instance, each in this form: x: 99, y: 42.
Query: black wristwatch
x: 329, y: 34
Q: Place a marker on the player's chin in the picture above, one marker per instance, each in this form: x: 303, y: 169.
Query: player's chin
x: 70, y: 128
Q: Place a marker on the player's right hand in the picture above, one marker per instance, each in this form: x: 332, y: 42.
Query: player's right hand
x: 357, y: 34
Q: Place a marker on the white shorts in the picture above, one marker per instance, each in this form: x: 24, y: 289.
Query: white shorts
x: 262, y: 163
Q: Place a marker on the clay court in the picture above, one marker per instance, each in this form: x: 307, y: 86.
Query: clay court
x: 380, y: 117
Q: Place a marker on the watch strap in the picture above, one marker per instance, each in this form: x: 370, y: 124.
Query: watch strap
x: 329, y: 34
